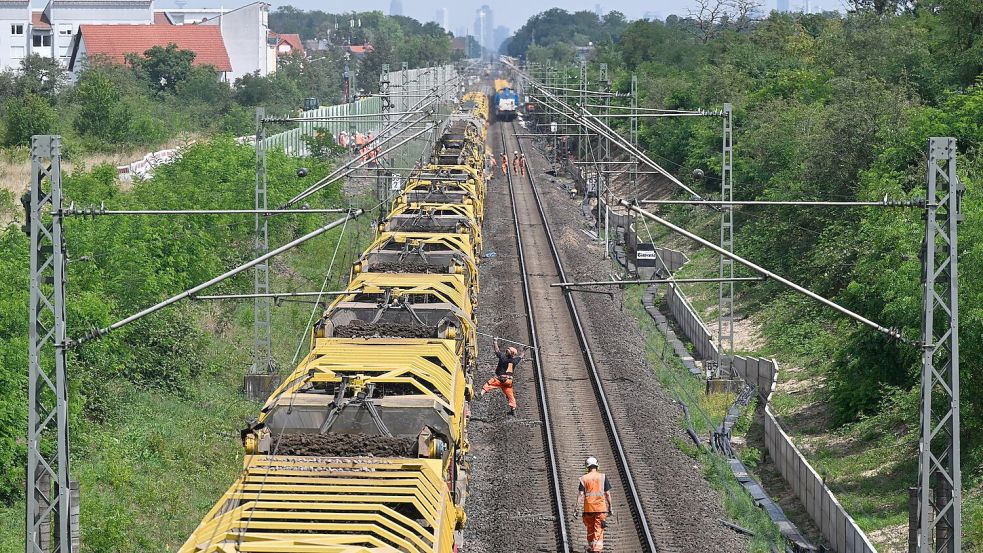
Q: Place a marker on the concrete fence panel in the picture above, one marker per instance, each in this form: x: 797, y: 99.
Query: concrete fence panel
x: 837, y: 527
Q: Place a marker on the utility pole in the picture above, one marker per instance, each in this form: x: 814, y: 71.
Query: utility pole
x: 725, y: 292
x: 387, y: 106
x: 633, y: 137
x: 262, y: 312
x: 604, y: 85
x: 49, y: 486
x: 581, y: 141
x: 939, y: 513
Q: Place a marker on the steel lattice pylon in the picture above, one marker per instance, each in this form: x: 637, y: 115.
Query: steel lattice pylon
x: 382, y: 187
x: 725, y: 292
x: 48, y: 475
x: 633, y: 136
x: 939, y: 513
x: 262, y: 316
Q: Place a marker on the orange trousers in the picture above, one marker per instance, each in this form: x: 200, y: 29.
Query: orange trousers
x: 595, y: 532
x: 505, y: 386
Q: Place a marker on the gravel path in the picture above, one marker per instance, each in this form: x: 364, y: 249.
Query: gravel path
x: 508, y: 494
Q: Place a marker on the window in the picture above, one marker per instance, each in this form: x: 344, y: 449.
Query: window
x: 41, y: 40
x: 65, y: 29
x: 17, y: 29
x: 17, y: 52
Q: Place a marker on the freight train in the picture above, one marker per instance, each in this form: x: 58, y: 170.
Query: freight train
x: 505, y: 101
x: 362, y: 447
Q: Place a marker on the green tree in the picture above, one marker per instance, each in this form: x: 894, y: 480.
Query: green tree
x: 164, y: 68
x: 253, y: 90
x: 102, y: 114
x: 40, y: 75
x: 27, y: 116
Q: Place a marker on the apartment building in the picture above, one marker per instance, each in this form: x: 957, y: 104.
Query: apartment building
x: 54, y: 31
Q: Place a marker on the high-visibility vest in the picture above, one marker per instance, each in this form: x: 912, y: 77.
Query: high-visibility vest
x: 593, y: 483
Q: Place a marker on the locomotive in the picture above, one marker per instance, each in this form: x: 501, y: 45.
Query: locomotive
x: 505, y: 101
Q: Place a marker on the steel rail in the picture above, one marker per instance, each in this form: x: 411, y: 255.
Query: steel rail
x: 554, y: 467
x: 641, y: 521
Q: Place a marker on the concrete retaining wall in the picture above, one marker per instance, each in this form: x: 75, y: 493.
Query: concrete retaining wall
x: 692, y: 324
x: 836, y: 525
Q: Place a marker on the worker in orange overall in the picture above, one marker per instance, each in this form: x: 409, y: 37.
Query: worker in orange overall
x: 594, y: 501
x: 522, y: 164
x: 505, y: 164
x: 504, y: 372
x: 515, y: 163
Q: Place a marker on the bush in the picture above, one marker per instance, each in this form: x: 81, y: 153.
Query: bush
x: 102, y: 112
x: 146, y: 130
x: 26, y: 117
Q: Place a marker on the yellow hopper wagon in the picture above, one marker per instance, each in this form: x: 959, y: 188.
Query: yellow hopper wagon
x: 361, y: 449
x: 418, y: 252
x: 435, y: 218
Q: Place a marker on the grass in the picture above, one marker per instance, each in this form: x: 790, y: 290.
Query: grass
x: 706, y: 412
x: 150, y: 472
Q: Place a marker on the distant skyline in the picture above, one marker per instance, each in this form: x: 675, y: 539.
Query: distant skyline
x: 509, y: 13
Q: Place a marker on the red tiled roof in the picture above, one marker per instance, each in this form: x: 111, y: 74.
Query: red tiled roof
x: 39, y: 20
x: 363, y: 49
x: 292, y: 39
x: 115, y: 41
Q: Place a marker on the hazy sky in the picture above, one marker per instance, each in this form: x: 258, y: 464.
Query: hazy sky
x: 511, y: 13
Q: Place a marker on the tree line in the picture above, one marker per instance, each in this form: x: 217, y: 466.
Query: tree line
x: 829, y: 107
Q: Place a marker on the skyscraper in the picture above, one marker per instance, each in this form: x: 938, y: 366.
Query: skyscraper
x: 598, y: 10
x: 442, y: 18
x: 484, y: 25
x: 396, y: 7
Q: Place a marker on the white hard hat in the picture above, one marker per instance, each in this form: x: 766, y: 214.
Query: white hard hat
x: 590, y: 462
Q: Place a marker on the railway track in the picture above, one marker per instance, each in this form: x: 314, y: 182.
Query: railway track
x: 577, y: 416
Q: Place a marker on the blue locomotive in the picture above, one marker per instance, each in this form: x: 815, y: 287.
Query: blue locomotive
x: 506, y: 102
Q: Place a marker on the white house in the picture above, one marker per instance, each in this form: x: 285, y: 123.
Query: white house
x: 246, y: 33
x: 51, y: 32
x: 15, y: 30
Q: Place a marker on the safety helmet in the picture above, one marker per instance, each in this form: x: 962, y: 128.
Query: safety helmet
x: 516, y: 152
x: 512, y: 352
x: 590, y: 462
